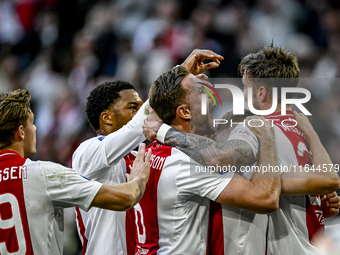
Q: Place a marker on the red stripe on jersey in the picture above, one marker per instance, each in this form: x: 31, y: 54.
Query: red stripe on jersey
x: 294, y: 135
x: 130, y: 232
x: 129, y: 158
x: 215, y: 230
x: 81, y: 231
x: 146, y: 213
x: 14, y: 228
x: 314, y: 214
x: 130, y: 214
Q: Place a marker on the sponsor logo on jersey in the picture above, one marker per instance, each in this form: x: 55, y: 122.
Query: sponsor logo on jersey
x: 101, y: 138
x: 141, y: 251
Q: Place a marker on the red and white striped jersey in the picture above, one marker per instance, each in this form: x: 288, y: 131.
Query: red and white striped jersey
x: 287, y: 230
x: 32, y: 198
x: 101, y: 159
x: 172, y: 217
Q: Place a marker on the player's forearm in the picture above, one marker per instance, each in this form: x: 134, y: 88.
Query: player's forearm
x: 321, y: 159
x: 252, y: 195
x: 320, y: 178
x: 135, y: 188
x: 326, y: 178
x: 208, y: 152
x: 120, y: 197
x: 268, y: 158
x: 192, y: 145
x: 307, y: 183
x: 266, y: 179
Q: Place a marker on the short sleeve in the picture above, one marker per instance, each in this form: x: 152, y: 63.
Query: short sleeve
x: 195, y: 179
x: 243, y: 133
x: 66, y: 188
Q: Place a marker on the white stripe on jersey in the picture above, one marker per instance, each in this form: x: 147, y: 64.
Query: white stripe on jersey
x: 179, y: 200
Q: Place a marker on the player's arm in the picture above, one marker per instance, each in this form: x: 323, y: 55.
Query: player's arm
x: 323, y: 179
x: 128, y: 137
x: 122, y: 197
x: 108, y: 150
x: 261, y: 193
x: 203, y: 150
x: 116, y: 145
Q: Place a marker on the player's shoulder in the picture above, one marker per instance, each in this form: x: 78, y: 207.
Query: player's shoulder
x: 47, y: 166
x: 165, y: 150
x: 88, y: 146
x: 90, y: 141
x: 42, y: 169
x: 33, y: 164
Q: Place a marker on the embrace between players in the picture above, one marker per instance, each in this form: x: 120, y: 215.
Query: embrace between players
x: 180, y: 212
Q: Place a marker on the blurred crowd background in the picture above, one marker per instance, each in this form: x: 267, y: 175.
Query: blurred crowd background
x: 61, y: 49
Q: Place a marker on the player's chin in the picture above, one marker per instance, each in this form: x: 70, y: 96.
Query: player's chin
x: 33, y: 151
x: 30, y: 153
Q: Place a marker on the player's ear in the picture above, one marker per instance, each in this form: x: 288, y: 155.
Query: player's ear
x: 107, y: 118
x: 262, y: 93
x: 183, y: 111
x: 19, y: 133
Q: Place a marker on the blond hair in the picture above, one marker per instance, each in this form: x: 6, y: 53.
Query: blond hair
x: 14, y: 111
x: 269, y: 63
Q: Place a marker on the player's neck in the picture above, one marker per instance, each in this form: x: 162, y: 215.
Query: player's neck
x: 185, y: 127
x: 101, y: 132
x: 105, y: 131
x: 14, y: 147
x: 278, y: 108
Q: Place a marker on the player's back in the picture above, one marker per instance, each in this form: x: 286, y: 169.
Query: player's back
x: 172, y: 216
x: 32, y: 198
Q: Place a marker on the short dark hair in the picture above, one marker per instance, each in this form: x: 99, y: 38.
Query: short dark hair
x: 14, y: 111
x: 102, y: 97
x: 166, y: 93
x: 271, y: 62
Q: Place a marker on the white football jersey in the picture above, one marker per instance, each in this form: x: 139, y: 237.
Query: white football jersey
x: 101, y: 159
x: 172, y: 216
x: 32, y: 197
x: 298, y: 218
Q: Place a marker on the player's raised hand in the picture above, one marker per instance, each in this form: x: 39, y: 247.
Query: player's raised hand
x: 262, y: 128
x: 151, y: 124
x: 330, y: 204
x: 141, y: 165
x: 194, y: 62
